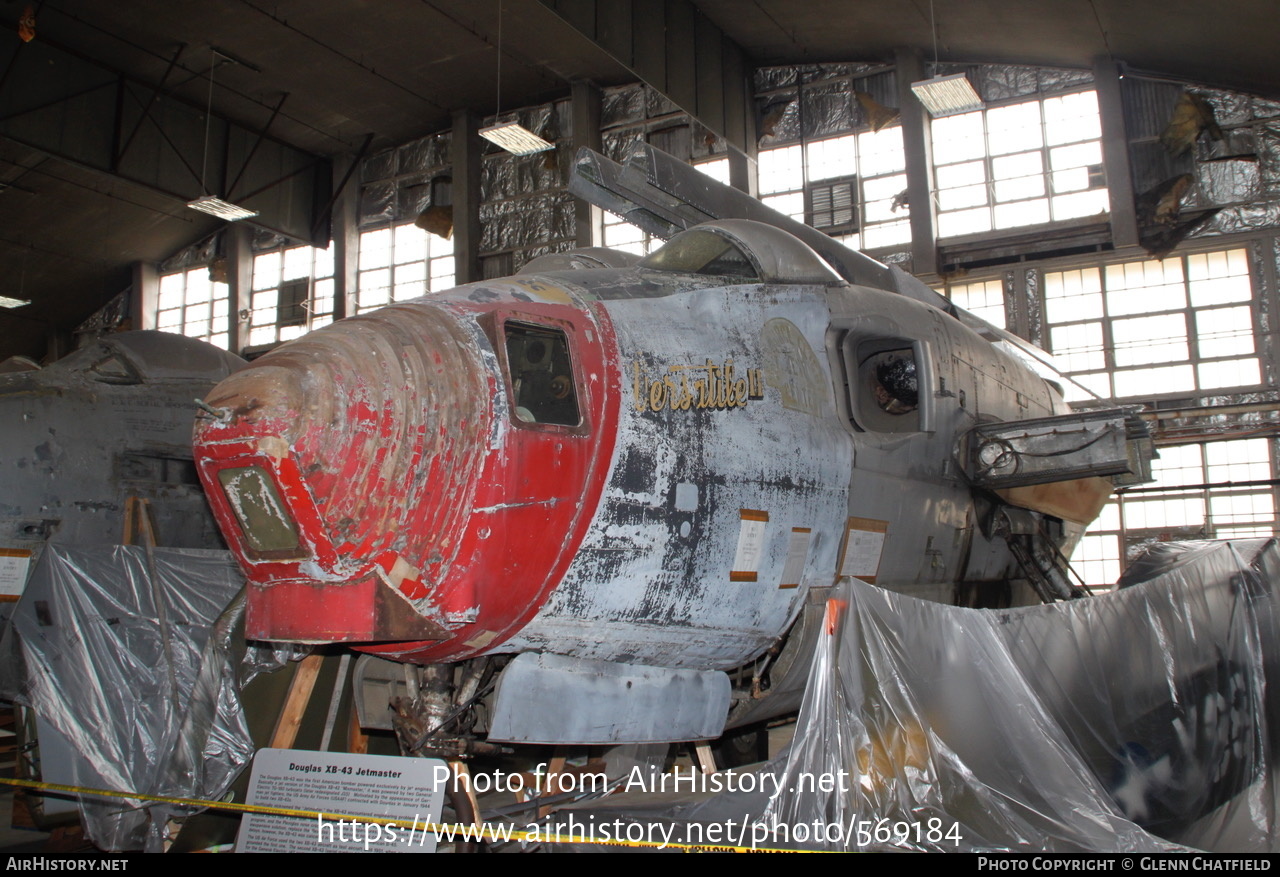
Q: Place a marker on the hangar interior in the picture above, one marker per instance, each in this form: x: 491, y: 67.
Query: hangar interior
x: 1112, y: 196
x: 1045, y: 211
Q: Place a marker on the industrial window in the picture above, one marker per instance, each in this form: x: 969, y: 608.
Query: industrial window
x: 869, y: 167
x: 292, y: 294
x: 1207, y: 490
x: 622, y: 235
x: 194, y: 305
x: 1023, y: 164
x: 1150, y: 328
x: 400, y: 263
x: 984, y: 299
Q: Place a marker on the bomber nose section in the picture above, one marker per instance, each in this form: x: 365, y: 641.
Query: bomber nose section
x: 340, y: 468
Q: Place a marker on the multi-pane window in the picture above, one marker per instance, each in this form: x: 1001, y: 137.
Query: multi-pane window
x: 1181, y: 325
x: 855, y: 186
x: 401, y: 263
x: 618, y: 234
x: 1214, y: 490
x: 1024, y: 164
x: 984, y: 299
x: 192, y: 304
x: 292, y: 294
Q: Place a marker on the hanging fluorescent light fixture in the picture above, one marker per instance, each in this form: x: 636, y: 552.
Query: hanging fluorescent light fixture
x: 515, y: 138
x: 212, y: 204
x: 215, y: 206
x: 947, y: 95
x: 6, y: 302
x: 511, y: 136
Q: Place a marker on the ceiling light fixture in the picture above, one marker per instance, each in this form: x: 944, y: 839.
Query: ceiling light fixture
x: 945, y: 95
x: 215, y: 206
x: 206, y: 203
x: 515, y: 138
x: 511, y: 136
x: 14, y: 302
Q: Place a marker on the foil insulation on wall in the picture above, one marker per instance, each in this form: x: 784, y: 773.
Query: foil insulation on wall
x: 621, y: 105
x: 638, y: 113
x: 826, y: 106
x: 826, y: 109
x: 201, y: 253
x: 1236, y: 167
x: 523, y: 204
x: 1000, y: 82
x: 395, y: 183
x: 1035, y: 311
x: 377, y: 203
x: 380, y: 166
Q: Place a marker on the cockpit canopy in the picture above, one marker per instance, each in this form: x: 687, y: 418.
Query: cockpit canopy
x: 743, y: 249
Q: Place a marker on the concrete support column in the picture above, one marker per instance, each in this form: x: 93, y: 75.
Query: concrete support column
x: 239, y: 255
x: 346, y: 238
x: 589, y: 218
x: 1115, y: 153
x: 144, y: 295
x: 919, y: 148
x: 466, y: 158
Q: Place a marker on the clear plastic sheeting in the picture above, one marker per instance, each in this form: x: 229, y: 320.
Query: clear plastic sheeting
x: 138, y: 662
x: 1135, y: 721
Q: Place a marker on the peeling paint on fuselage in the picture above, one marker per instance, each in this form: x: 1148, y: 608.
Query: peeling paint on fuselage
x: 639, y: 590
x: 614, y: 539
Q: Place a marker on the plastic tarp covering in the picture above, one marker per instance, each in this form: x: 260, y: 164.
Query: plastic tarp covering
x: 1134, y: 721
x: 140, y: 673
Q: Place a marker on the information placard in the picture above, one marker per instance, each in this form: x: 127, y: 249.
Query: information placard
x: 386, y: 786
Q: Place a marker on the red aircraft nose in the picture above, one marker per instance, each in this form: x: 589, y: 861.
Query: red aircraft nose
x: 341, y: 470
x: 420, y: 476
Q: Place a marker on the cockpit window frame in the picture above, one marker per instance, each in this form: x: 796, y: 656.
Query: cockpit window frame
x: 859, y: 354
x: 496, y: 326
